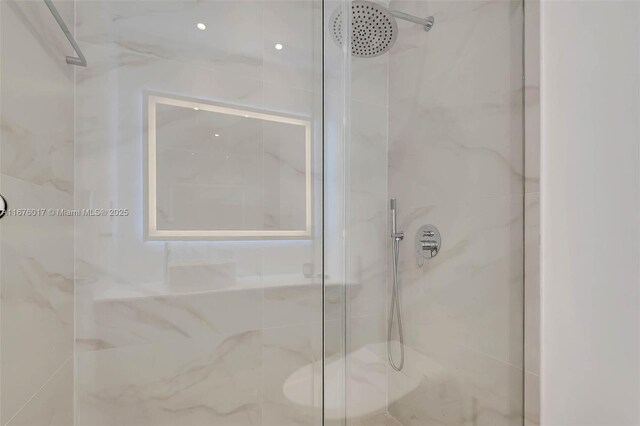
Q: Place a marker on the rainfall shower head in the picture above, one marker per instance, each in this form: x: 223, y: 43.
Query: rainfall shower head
x: 373, y: 27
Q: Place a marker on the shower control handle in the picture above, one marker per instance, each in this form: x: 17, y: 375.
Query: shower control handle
x: 427, y: 243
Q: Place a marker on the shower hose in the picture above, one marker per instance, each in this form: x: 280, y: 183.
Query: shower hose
x: 395, y: 310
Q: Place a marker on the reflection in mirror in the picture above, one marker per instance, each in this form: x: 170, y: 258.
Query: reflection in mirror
x: 224, y: 172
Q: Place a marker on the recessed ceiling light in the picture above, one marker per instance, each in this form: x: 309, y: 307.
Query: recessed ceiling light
x: 196, y: 108
x: 279, y: 46
x: 217, y: 135
x: 246, y: 116
x: 201, y: 26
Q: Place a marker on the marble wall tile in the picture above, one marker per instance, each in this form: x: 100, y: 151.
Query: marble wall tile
x: 471, y: 38
x: 367, y: 367
x: 285, y: 176
x: 448, y: 156
x: 455, y: 160
x: 369, y: 80
x: 292, y: 375
x: 37, y: 292
x: 367, y: 209
x: 232, y: 42
x: 281, y: 97
x: 126, y: 321
x: 532, y: 283
x: 37, y: 96
x: 531, y: 399
x: 469, y: 292
x: 455, y: 103
x: 532, y: 94
x: 454, y: 385
x: 294, y: 25
x: 295, y: 301
x: 381, y: 419
x: 213, y: 380
x: 227, y: 298
x: 290, y: 297
x: 53, y: 405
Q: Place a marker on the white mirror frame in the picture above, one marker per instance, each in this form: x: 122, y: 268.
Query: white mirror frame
x: 150, y: 171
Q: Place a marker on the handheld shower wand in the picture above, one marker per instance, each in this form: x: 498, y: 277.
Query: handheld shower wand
x: 395, y: 309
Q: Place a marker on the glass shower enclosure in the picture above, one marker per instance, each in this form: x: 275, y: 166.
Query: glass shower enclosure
x: 198, y: 227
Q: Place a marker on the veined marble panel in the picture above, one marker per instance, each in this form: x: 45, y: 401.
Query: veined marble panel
x: 367, y: 209
x: 532, y: 283
x: 141, y: 319
x: 382, y: 419
x: 290, y: 297
x: 455, y: 161
x: 531, y: 399
x: 532, y: 94
x: 455, y: 106
x: 37, y: 96
x: 37, y: 291
x: 231, y: 43
x: 296, y: 25
x: 454, y: 385
x: 285, y: 351
x: 53, y: 405
x: 208, y: 381
x: 472, y: 291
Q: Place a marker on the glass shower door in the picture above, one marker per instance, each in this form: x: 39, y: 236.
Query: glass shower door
x: 202, y: 305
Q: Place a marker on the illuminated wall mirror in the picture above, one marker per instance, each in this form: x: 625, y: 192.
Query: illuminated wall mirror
x: 217, y: 171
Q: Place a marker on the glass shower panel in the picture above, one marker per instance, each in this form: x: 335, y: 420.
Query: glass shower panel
x: 436, y: 123
x: 199, y: 302
x: 337, y: 86
x: 36, y: 246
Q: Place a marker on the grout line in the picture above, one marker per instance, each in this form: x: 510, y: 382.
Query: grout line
x: 55, y: 373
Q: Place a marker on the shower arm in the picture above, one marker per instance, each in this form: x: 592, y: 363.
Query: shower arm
x: 427, y: 23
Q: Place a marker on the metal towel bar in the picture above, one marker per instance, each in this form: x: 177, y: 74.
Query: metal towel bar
x: 80, y: 60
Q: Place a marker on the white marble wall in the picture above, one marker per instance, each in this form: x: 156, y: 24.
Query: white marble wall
x: 456, y: 161
x: 191, y: 333
x: 36, y: 279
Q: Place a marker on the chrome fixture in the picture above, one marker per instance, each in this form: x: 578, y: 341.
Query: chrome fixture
x: 396, y: 237
x: 427, y: 243
x: 72, y: 60
x: 373, y: 27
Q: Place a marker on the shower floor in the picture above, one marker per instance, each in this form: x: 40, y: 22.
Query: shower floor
x: 380, y: 419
